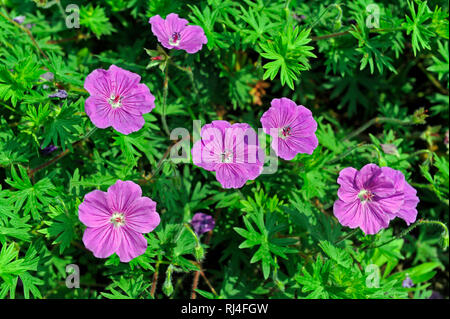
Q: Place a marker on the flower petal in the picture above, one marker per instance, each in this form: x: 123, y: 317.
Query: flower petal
x: 98, y: 110
x: 102, y: 241
x: 348, y: 191
x: 94, y: 210
x: 192, y: 39
x: 122, y: 195
x: 133, y: 245
x: 231, y: 175
x: 141, y: 216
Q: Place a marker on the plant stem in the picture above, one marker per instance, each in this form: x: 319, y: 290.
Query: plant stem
x: 60, y: 155
x: 164, y: 106
x: 349, y: 235
x: 410, y: 228
x: 155, y: 279
x: 373, y: 121
x: 348, y: 152
x: 28, y: 32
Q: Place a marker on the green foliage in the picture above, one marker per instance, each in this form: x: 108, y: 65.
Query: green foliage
x: 378, y: 90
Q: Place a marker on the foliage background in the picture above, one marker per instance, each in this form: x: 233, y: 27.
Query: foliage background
x: 274, y: 238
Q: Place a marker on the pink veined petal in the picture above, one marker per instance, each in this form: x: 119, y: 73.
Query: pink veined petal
x: 207, y: 160
x: 212, y: 141
x: 122, y: 195
x: 141, y: 215
x: 373, y: 218
x: 94, y: 210
x: 122, y: 81
x: 304, y: 125
x: 348, y: 191
x: 408, y: 211
x: 126, y: 123
x: 231, y: 175
x: 97, y: 83
x: 192, y: 39
x: 304, y: 145
x: 102, y: 241
x: 139, y: 100
x: 348, y: 214
x: 371, y: 177
x: 133, y: 245
x: 283, y: 149
x: 98, y: 110
x: 174, y: 23
x: 284, y: 112
x: 159, y: 29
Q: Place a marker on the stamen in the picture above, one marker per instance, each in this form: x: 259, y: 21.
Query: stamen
x: 115, y: 101
x: 175, y: 39
x: 118, y: 219
x: 284, y: 132
x: 365, y: 195
x: 226, y: 157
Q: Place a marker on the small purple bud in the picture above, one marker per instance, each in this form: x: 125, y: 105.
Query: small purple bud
x: 60, y: 94
x: 202, y: 223
x: 407, y: 283
x: 49, y: 149
x: 19, y: 19
x: 389, y: 149
x: 29, y: 25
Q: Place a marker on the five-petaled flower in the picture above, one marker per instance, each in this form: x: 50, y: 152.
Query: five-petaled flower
x: 231, y: 151
x: 116, y: 219
x: 292, y: 128
x: 372, y: 197
x: 174, y: 33
x: 117, y: 99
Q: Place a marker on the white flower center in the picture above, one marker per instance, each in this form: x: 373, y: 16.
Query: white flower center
x: 175, y: 39
x: 115, y: 101
x: 284, y: 132
x: 226, y: 157
x: 365, y: 195
x: 118, y: 219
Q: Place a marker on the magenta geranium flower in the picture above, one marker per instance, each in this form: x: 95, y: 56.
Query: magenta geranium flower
x: 117, y: 99
x: 372, y: 197
x: 231, y: 151
x: 116, y: 219
x: 174, y: 33
x: 292, y: 128
x: 202, y: 223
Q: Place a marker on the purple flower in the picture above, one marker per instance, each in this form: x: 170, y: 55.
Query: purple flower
x: 202, y: 223
x: 49, y: 149
x: 174, y: 33
x: 117, y: 99
x: 62, y: 94
x: 389, y: 149
x: 116, y: 219
x: 292, y: 128
x: 372, y: 197
x: 407, y: 283
x: 19, y: 19
x: 231, y: 151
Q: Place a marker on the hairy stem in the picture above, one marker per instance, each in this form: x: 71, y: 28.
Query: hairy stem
x: 164, y: 106
x: 376, y: 120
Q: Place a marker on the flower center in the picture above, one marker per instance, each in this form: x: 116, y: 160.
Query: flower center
x: 118, y: 219
x: 284, y: 132
x: 365, y: 195
x: 115, y: 101
x: 226, y: 157
x: 175, y: 39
